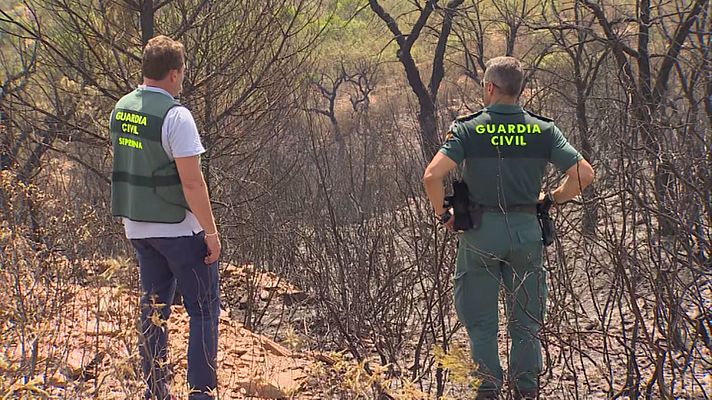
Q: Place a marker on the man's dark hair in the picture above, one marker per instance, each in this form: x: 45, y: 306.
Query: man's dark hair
x: 161, y: 55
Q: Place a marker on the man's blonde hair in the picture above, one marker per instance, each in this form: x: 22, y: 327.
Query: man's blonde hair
x: 506, y: 73
x: 161, y: 55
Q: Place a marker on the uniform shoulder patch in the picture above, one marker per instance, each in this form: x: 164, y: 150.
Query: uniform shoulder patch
x: 545, y: 119
x: 449, y: 134
x: 467, y: 117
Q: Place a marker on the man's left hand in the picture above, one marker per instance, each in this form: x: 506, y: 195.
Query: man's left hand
x: 542, y: 198
x: 214, y: 249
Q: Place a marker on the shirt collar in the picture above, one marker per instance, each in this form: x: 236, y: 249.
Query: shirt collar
x: 154, y: 89
x: 505, y: 108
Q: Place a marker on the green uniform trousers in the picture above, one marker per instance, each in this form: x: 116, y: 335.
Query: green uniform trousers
x: 507, y: 248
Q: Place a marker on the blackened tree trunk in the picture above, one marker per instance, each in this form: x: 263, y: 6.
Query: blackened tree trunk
x: 147, y: 24
x: 647, y: 93
x: 427, y: 96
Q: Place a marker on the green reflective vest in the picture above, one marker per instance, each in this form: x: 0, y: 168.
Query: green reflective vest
x: 145, y: 185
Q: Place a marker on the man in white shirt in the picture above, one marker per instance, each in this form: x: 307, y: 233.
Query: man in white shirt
x: 159, y: 191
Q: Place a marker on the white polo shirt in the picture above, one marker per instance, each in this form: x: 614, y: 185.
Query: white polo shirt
x: 180, y: 138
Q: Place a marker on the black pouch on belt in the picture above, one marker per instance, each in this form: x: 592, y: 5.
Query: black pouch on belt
x: 548, y: 231
x: 460, y: 202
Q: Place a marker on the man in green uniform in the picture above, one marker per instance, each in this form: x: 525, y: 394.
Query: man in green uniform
x: 505, y: 149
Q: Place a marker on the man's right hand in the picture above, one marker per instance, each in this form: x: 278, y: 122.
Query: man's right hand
x: 450, y: 224
x: 214, y: 248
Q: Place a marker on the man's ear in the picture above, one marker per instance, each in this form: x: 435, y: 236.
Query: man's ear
x: 174, y: 75
x: 490, y: 88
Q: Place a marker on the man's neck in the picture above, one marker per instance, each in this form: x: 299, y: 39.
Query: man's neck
x: 505, y: 101
x: 157, y: 84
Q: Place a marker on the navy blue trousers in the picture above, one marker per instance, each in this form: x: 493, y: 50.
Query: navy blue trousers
x: 163, y: 264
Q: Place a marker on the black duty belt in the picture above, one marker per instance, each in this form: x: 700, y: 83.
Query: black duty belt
x: 523, y: 208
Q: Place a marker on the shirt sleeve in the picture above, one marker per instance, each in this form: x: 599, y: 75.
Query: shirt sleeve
x: 181, y: 137
x: 563, y: 154
x: 454, y: 146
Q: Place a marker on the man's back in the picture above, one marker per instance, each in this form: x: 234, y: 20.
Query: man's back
x: 505, y: 149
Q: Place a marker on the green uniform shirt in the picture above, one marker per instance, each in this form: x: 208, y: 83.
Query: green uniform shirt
x: 505, y: 149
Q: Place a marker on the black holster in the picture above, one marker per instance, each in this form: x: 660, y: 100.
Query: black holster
x: 548, y: 231
x: 460, y: 202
